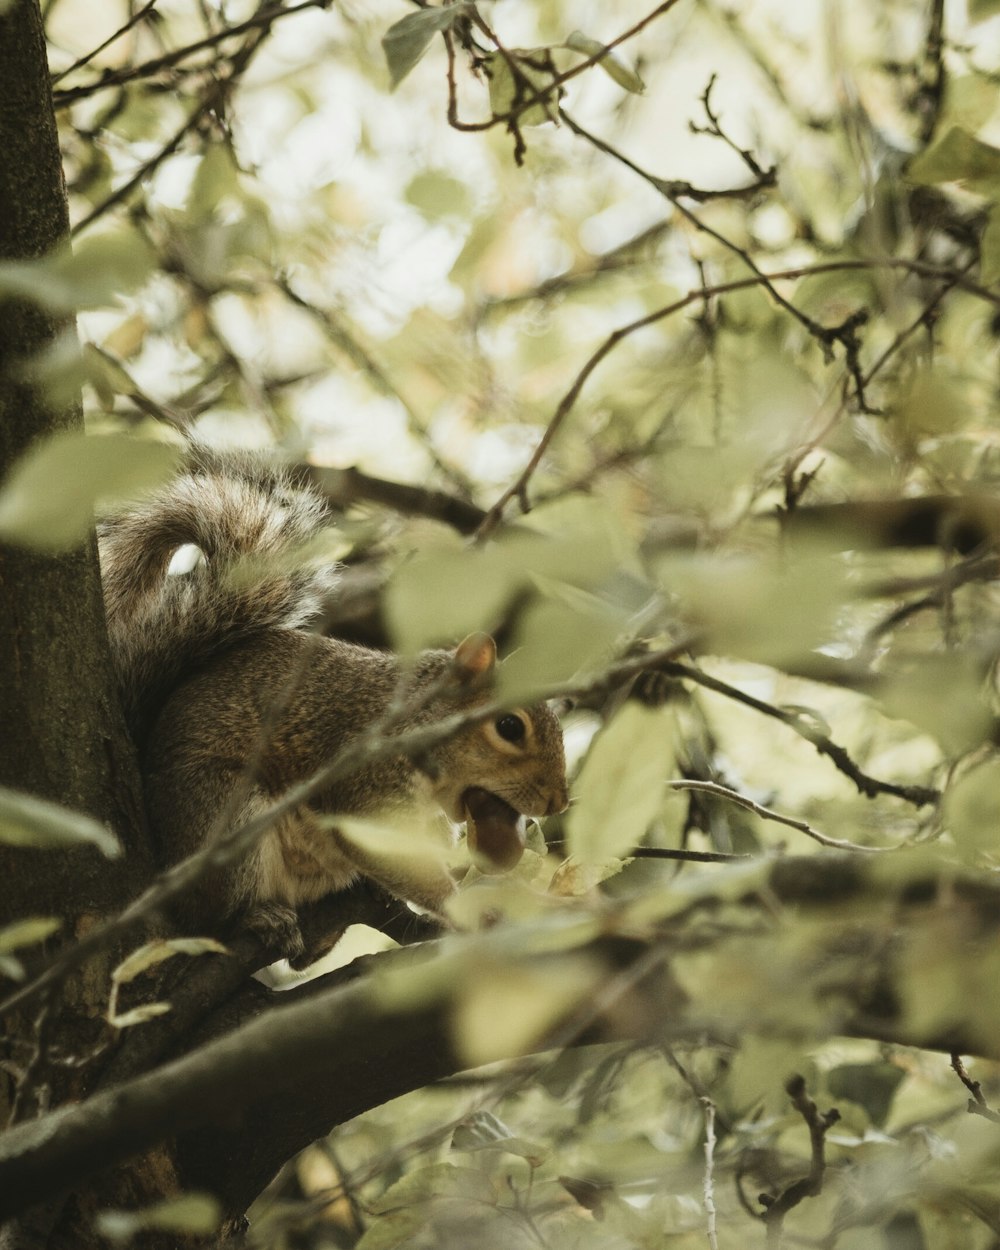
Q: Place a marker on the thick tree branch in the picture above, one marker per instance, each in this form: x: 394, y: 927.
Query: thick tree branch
x: 316, y: 1060
x: 323, y: 1055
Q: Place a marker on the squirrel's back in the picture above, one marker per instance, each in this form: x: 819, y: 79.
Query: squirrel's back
x: 244, y: 525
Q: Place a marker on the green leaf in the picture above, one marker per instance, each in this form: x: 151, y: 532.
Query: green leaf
x: 125, y: 340
x: 416, y: 850
x: 138, y: 1015
x: 941, y: 989
x: 969, y: 101
x: 215, y: 179
x: 931, y: 405
x: 91, y: 275
x: 871, y: 1085
x: 972, y: 808
x: 437, y: 1180
x: 396, y: 1229
x: 437, y: 195
x: 508, y: 91
x: 192, y: 1214
x: 574, y: 878
x: 152, y: 953
x: 145, y: 957
x: 47, y: 502
x: 942, y: 695
x: 989, y: 250
x: 558, y: 639
x: 612, y: 64
x: 958, y: 156
x: 484, y: 1131
x: 980, y: 10
x: 108, y: 378
x: 29, y: 821
x: 27, y: 932
x: 480, y: 1129
x: 58, y: 371
x: 506, y: 1009
x: 406, y: 41
x: 758, y: 1073
x: 445, y: 594
x: 769, y: 610
x: 620, y: 788
x: 9, y: 966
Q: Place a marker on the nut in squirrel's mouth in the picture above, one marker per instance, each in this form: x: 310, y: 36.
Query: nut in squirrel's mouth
x: 495, y: 831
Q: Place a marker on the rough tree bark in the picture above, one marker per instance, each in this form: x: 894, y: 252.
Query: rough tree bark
x: 63, y: 737
x: 66, y: 738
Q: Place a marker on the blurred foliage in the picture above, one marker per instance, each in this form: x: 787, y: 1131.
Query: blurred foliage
x: 275, y: 249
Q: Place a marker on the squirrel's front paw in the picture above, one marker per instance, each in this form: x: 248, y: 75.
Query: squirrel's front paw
x: 278, y: 927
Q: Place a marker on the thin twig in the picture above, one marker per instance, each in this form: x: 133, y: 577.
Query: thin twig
x: 263, y: 18
x: 532, y: 94
x: 766, y: 813
x: 777, y: 1206
x: 612, y: 261
x: 765, y: 177
x: 821, y: 333
x: 977, y: 1104
x: 138, y: 16
x: 746, y: 43
x: 343, y: 338
x: 924, y: 318
x: 708, y: 1183
x: 212, y: 99
x: 28, y: 1081
x: 697, y: 295
x: 869, y: 786
x: 933, y: 75
x: 687, y: 857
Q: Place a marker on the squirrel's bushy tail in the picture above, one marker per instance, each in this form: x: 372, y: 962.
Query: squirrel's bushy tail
x: 249, y: 523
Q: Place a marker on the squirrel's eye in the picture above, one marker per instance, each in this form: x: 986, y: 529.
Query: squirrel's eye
x: 510, y: 727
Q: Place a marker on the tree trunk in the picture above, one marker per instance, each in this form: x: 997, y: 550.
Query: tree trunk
x: 64, y: 735
x: 66, y: 739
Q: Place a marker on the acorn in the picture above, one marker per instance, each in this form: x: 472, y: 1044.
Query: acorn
x: 495, y: 831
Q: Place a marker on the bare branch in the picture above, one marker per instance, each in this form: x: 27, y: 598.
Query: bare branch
x: 212, y: 101
x: 138, y: 16
x: 919, y: 796
x: 766, y: 813
x: 929, y: 99
x: 261, y: 21
x: 345, y: 340
x: 531, y: 95
x: 519, y: 489
x: 977, y: 1104
x: 708, y: 1182
x: 819, y: 1124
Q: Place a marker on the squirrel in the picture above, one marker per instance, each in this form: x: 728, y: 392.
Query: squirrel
x: 232, y: 698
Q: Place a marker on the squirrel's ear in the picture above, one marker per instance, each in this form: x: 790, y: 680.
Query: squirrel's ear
x: 475, y: 657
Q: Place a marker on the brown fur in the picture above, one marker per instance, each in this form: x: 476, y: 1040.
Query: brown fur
x: 233, y: 701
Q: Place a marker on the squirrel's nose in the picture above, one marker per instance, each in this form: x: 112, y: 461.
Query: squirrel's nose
x: 558, y: 803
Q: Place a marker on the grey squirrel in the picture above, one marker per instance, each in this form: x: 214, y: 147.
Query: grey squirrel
x: 232, y: 700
